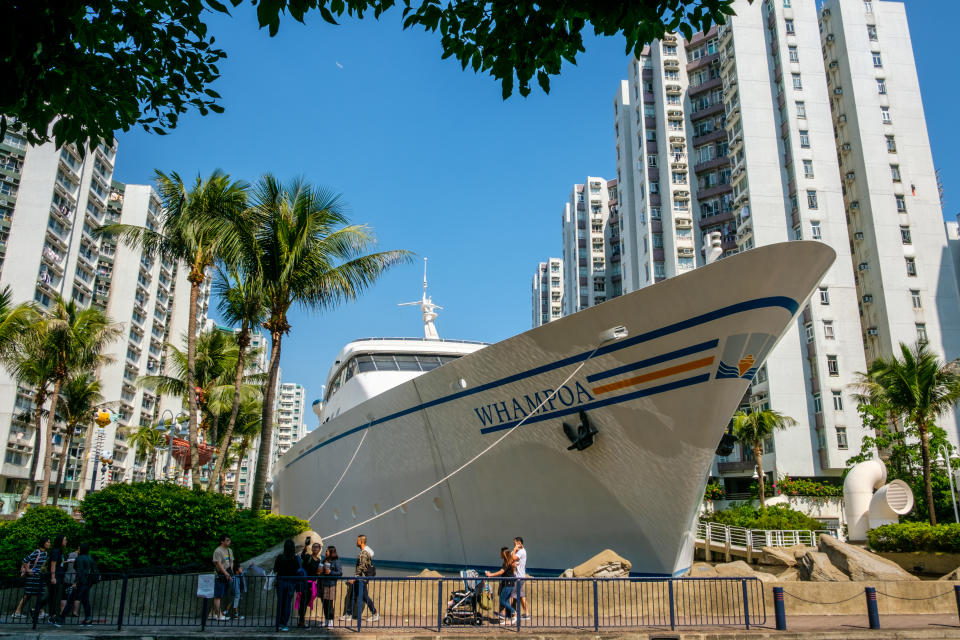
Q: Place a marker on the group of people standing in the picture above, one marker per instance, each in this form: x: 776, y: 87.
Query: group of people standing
x: 305, y: 578
x: 59, y: 580
x: 513, y: 569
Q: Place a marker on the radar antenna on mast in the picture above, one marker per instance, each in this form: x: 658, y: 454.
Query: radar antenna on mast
x: 428, y: 308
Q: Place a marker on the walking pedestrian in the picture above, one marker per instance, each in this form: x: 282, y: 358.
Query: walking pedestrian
x: 223, y: 566
x: 70, y: 580
x: 87, y: 575
x: 520, y: 556
x: 310, y: 560
x: 55, y: 574
x: 332, y: 569
x: 288, y: 570
x: 507, y: 570
x: 31, y: 570
x: 239, y: 587
x: 360, y: 588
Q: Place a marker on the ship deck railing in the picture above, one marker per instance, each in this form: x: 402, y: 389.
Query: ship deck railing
x: 149, y: 602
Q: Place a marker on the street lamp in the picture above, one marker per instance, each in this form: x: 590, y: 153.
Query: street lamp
x: 940, y: 459
x: 102, y: 419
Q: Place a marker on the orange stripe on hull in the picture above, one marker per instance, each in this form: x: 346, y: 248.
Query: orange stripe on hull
x: 654, y: 375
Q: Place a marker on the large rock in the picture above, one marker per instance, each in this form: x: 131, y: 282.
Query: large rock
x: 735, y: 569
x: 860, y: 564
x: 701, y: 570
x: 265, y: 559
x: 777, y: 557
x: 606, y: 564
x: 790, y: 575
x: 953, y: 575
x: 815, y: 567
x: 428, y: 573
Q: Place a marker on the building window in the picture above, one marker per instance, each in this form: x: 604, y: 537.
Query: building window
x: 868, y: 6
x: 911, y: 267
x: 921, y: 332
x: 877, y: 61
x: 812, y: 198
x: 789, y: 26
x: 804, y: 139
x: 658, y: 270
x: 901, y: 203
x: 837, y: 400
x: 651, y: 160
x: 895, y: 172
x: 891, y: 144
x: 817, y: 403
x: 833, y: 368
x: 678, y: 177
x: 794, y: 55
x: 905, y: 235
x: 797, y: 233
x: 872, y: 32
x: 915, y: 298
x: 654, y: 188
x: 808, y: 168
x: 881, y: 86
x: 654, y: 213
x: 841, y: 437
x: 828, y: 329
x: 801, y: 109
x: 815, y: 230
x: 797, y: 81
x: 885, y: 115
x: 808, y: 332
x: 824, y: 295
x: 658, y: 241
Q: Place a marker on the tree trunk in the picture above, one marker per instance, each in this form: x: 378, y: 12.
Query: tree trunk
x: 266, y: 424
x: 85, y: 465
x: 38, y: 398
x: 48, y: 454
x: 236, y: 481
x: 191, y: 377
x: 757, y: 453
x: 242, y: 341
x: 925, y: 458
x: 62, y: 466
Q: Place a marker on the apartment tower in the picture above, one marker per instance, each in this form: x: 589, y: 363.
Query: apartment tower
x: 546, y: 292
x: 591, y: 245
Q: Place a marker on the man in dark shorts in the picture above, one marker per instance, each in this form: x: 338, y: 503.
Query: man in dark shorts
x: 223, y: 567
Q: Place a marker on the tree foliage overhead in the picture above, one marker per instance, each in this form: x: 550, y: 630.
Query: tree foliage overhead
x: 76, y: 71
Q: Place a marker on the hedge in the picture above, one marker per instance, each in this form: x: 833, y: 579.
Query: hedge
x: 776, y: 516
x: 915, y: 536
x: 19, y: 537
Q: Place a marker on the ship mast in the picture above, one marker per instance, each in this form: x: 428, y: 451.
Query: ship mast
x: 428, y: 309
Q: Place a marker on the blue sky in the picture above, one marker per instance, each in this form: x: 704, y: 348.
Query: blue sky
x: 434, y: 161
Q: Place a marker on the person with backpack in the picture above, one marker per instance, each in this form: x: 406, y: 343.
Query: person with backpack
x: 289, y: 571
x: 364, y: 569
x: 87, y: 575
x: 31, y: 570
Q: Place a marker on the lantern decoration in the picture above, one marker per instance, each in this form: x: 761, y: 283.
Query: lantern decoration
x: 102, y: 419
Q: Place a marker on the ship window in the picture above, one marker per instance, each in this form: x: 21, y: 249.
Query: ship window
x: 407, y: 362
x: 387, y: 362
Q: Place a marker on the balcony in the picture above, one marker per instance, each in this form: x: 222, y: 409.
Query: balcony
x: 738, y: 466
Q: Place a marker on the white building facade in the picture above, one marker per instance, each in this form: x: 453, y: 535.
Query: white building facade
x: 546, y: 292
x: 591, y: 245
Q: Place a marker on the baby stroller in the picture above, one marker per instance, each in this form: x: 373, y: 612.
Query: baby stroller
x: 464, y: 605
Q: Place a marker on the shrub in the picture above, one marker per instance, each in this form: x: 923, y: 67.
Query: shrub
x: 19, y: 537
x: 915, y: 536
x: 807, y: 488
x: 713, y: 492
x: 773, y: 517
x: 160, y: 526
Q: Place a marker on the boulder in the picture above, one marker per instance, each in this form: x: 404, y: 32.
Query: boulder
x: 860, y: 564
x: 790, y: 575
x: 953, y: 575
x: 777, y: 557
x: 701, y: 570
x: 815, y: 567
x: 567, y: 574
x: 764, y: 576
x: 265, y: 559
x: 606, y: 564
x: 735, y: 569
x: 428, y: 573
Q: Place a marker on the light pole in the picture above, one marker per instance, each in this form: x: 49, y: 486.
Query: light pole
x: 953, y: 496
x: 102, y: 420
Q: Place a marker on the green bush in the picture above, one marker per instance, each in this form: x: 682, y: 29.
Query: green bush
x: 713, y: 492
x: 915, y: 536
x: 773, y: 517
x: 807, y: 488
x: 19, y: 537
x: 163, y: 527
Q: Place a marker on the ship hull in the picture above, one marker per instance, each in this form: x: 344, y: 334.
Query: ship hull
x: 660, y: 399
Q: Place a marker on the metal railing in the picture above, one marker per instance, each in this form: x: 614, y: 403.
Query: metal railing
x: 132, y: 601
x: 756, y: 538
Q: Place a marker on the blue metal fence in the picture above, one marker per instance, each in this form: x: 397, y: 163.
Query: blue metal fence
x: 132, y: 601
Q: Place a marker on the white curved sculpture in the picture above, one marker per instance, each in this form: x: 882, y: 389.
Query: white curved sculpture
x: 889, y: 503
x: 711, y: 247
x: 867, y: 510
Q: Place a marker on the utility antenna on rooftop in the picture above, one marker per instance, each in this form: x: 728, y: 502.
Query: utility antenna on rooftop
x: 428, y: 309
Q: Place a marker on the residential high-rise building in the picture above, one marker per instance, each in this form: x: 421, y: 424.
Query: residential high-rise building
x: 906, y: 281
x: 953, y: 241
x: 591, y: 245
x: 243, y: 470
x: 546, y: 299
x: 289, y: 427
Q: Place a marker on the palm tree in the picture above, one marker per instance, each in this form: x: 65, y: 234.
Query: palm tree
x: 13, y: 317
x: 751, y: 428
x: 240, y: 302
x: 75, y: 339
x: 247, y: 430
x: 199, y: 227
x: 148, y: 441
x: 303, y: 252
x: 80, y: 398
x: 914, y: 390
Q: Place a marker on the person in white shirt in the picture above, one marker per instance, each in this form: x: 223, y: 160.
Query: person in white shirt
x: 520, y: 557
